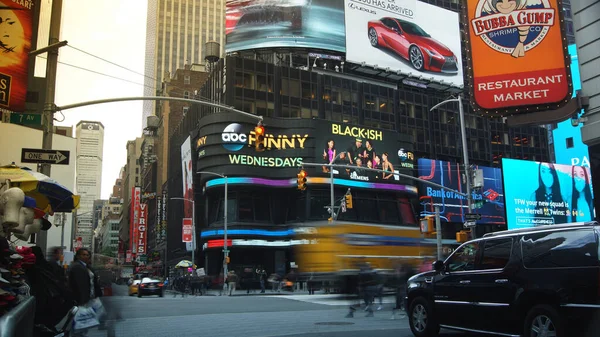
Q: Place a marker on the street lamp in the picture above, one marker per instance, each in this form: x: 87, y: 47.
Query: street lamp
x: 463, y: 134
x: 225, y: 250
x: 193, y: 226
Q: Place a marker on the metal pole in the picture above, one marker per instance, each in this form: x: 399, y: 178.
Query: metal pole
x: 438, y: 232
x: 332, y: 195
x: 48, y: 113
x: 463, y: 134
x: 225, y: 250
x: 62, y: 230
x: 193, y: 232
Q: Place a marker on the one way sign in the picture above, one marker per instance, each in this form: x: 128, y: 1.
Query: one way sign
x: 39, y: 156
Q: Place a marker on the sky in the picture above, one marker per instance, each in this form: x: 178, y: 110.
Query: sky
x: 114, y: 30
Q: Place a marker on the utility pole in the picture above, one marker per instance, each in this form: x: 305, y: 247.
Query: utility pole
x: 48, y: 113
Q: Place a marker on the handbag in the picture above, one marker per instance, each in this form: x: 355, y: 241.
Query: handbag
x: 85, y: 318
x: 98, y: 308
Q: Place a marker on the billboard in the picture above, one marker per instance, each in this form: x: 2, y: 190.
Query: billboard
x: 517, y: 55
x: 489, y: 200
x: 545, y: 194
x: 569, y: 148
x: 187, y: 175
x: 408, y: 36
x: 15, y: 43
x: 136, y: 196
x: 362, y: 147
x: 251, y: 24
x: 142, y: 231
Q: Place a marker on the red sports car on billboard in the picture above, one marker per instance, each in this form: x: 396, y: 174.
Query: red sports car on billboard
x: 412, y: 43
x: 264, y: 12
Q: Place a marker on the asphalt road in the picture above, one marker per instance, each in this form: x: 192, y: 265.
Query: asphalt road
x: 247, y: 316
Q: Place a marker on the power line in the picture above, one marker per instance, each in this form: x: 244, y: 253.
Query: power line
x: 99, y: 73
x: 113, y: 63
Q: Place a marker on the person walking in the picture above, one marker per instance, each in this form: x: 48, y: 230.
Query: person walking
x: 84, y: 283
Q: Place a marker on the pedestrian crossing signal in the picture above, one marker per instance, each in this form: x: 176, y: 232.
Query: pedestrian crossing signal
x: 302, y: 180
x: 227, y: 259
x: 259, y: 133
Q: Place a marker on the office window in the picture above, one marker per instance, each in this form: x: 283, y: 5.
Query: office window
x: 186, y: 94
x: 186, y: 79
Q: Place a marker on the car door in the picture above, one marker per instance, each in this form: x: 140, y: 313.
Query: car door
x: 452, y: 285
x: 493, y: 287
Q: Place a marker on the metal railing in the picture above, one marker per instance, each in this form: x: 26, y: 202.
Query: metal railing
x: 19, y: 321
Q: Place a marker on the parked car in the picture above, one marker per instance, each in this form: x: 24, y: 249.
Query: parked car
x: 412, y: 43
x: 150, y: 286
x: 542, y: 281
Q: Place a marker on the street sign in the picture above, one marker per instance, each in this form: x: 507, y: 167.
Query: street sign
x: 39, y: 156
x: 472, y: 217
x: 26, y: 118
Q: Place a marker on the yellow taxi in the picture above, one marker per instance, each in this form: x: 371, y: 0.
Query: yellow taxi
x: 133, y: 287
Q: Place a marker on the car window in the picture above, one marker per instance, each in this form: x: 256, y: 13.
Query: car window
x: 464, y: 258
x: 562, y: 249
x: 496, y: 253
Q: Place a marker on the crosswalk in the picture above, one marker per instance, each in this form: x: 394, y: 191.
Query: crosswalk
x: 333, y: 300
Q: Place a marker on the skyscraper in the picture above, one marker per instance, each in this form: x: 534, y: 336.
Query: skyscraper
x: 176, y: 32
x: 90, y: 145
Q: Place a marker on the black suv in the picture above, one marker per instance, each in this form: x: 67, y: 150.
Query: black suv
x: 534, y: 282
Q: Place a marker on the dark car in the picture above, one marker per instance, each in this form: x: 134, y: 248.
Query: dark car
x: 149, y: 286
x: 412, y: 43
x: 541, y: 281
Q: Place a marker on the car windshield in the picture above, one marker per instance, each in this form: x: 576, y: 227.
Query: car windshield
x: 412, y: 29
x: 148, y: 280
x: 136, y: 282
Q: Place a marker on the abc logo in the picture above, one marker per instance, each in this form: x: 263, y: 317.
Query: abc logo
x: 403, y: 155
x: 233, y: 138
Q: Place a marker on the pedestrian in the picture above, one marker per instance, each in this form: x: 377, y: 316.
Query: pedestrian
x: 232, y: 279
x: 84, y: 285
x: 262, y: 278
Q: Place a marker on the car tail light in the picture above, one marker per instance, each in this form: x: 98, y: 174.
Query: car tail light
x: 143, y: 285
x: 160, y: 284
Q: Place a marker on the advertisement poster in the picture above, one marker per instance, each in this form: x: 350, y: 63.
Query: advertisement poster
x: 489, y: 200
x: 142, y: 238
x: 186, y: 234
x: 546, y: 194
x: 136, y: 196
x: 252, y: 24
x: 408, y: 36
x: 15, y: 45
x: 361, y: 147
x: 188, y: 183
x: 517, y: 53
x: 569, y: 148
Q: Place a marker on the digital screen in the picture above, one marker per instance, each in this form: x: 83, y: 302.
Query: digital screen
x: 408, y: 36
x: 360, y: 148
x: 569, y: 149
x: 545, y: 194
x: 489, y: 200
x: 252, y: 24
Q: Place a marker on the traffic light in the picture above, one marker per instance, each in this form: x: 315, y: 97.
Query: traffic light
x: 227, y: 259
x: 259, y: 133
x: 302, y: 180
x: 348, y: 201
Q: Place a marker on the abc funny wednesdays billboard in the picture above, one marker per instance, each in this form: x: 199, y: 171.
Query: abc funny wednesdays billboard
x: 518, y: 58
x: 453, y: 206
x: 15, y: 43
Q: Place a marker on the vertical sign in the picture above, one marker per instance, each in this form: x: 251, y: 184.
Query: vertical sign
x: 186, y: 233
x: 519, y: 61
x: 158, y: 221
x: 164, y: 217
x: 142, y: 229
x: 135, y: 206
x: 15, y: 44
